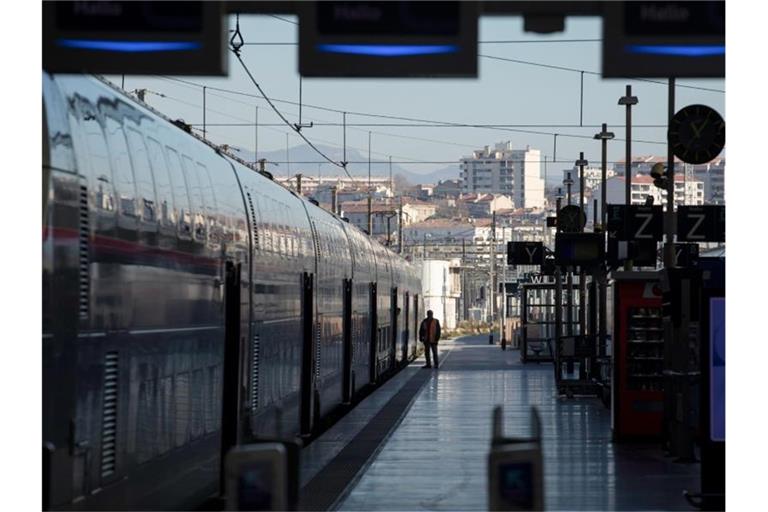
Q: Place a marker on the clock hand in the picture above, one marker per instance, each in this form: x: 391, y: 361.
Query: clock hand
x: 697, y: 131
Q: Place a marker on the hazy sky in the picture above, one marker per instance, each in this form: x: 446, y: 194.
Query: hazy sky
x: 504, y: 93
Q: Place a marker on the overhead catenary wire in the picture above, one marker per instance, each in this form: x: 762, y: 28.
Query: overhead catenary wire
x: 412, y: 119
x: 236, y: 51
x: 595, y: 73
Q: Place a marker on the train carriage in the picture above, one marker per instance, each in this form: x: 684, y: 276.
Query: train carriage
x: 190, y: 304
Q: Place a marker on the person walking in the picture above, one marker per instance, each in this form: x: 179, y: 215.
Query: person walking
x: 429, y: 334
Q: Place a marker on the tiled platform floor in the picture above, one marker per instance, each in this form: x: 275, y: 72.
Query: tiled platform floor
x: 436, y: 458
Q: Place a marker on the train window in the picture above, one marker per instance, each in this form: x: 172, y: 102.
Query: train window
x: 209, y: 198
x: 166, y: 210
x: 145, y: 183
x: 196, y: 198
x: 124, y: 179
x: 98, y: 159
x: 207, y: 184
x: 180, y: 192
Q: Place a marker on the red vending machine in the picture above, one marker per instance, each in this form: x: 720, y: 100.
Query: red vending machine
x: 638, y: 356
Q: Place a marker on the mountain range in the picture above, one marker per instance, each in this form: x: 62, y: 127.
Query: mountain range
x: 305, y: 160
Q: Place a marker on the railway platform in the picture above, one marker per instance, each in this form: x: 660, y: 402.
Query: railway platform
x: 421, y: 442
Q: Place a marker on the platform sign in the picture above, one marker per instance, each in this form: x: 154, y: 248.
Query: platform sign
x: 525, y: 253
x: 644, y: 223
x: 170, y: 38
x: 571, y: 219
x: 582, y: 249
x: 636, y: 222
x: 664, y: 39
x: 388, y: 39
x: 701, y: 223
x: 717, y: 369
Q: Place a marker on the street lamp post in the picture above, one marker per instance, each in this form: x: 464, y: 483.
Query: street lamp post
x: 628, y: 100
x: 581, y: 163
x: 604, y: 136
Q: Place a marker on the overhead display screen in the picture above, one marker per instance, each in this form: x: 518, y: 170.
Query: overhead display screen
x: 664, y: 39
x: 388, y: 39
x: 175, y: 38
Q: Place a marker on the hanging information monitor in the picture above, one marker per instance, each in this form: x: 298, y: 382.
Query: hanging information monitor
x: 664, y: 39
x: 135, y: 38
x: 388, y: 39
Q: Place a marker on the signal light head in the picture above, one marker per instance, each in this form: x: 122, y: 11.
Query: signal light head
x: 658, y: 171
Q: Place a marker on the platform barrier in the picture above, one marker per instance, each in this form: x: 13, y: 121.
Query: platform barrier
x: 263, y: 476
x: 515, y: 473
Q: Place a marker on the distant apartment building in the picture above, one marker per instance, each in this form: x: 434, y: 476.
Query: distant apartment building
x: 385, y: 215
x: 347, y: 189
x: 592, y: 177
x: 417, y: 211
x: 484, y: 205
x: 445, y: 230
x: 643, y: 165
x: 689, y: 192
x: 712, y: 174
x: 504, y: 170
x: 447, y: 188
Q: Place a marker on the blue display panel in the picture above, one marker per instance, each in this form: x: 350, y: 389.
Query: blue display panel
x: 516, y: 485
x: 717, y: 369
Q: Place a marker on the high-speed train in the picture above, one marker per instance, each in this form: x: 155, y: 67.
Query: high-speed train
x: 191, y: 304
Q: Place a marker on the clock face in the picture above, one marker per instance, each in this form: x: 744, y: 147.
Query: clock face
x: 697, y: 134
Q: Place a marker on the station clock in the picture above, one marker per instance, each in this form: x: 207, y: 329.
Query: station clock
x: 697, y: 134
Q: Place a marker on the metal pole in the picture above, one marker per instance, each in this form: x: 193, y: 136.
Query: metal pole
x: 628, y: 101
x: 628, y: 153
x: 568, y: 190
x: 503, y: 315
x: 492, y: 268
x: 298, y: 183
x: 581, y: 163
x: 604, y: 136
x: 370, y: 220
x: 400, y: 227
x: 344, y: 131
x: 669, y: 251
x: 554, y: 150
x: 464, y: 291
x: 581, y: 109
x: 204, y: 133
x: 391, y: 185
x: 287, y: 156
x: 256, y: 137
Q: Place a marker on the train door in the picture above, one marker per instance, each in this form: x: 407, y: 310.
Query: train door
x: 347, y: 342
x: 373, y: 327
x: 230, y: 415
x: 307, y: 354
x: 394, y: 329
x: 416, y: 320
x: 406, y: 332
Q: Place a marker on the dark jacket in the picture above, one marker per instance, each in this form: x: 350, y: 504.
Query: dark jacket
x: 423, y: 331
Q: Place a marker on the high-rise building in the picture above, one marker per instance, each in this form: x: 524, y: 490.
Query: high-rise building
x: 505, y: 170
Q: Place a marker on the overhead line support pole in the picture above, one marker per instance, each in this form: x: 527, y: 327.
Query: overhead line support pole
x: 669, y: 251
x: 628, y: 100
